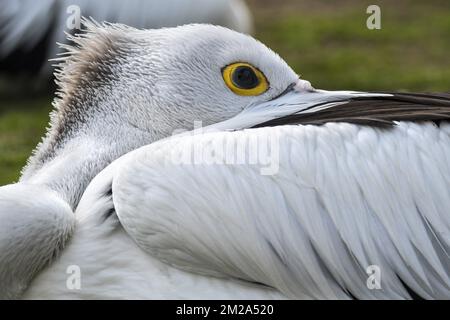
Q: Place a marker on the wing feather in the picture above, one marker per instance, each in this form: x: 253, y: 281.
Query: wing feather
x: 344, y: 198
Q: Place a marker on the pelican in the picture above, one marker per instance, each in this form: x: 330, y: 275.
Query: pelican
x: 351, y: 202
x: 29, y: 31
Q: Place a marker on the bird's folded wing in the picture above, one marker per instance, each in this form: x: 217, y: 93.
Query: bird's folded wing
x: 328, y: 211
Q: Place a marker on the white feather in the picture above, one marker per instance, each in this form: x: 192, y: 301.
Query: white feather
x: 345, y: 197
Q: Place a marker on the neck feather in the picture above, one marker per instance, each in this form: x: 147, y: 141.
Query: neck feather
x: 72, y: 164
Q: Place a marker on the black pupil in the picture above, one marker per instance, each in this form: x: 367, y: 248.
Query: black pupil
x: 245, y: 78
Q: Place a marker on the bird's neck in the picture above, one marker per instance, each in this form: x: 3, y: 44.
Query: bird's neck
x: 70, y: 166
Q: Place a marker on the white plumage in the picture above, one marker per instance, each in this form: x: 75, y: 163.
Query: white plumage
x: 345, y: 197
x: 160, y: 223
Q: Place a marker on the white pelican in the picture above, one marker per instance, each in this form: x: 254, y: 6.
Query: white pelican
x: 29, y: 30
x: 360, y: 181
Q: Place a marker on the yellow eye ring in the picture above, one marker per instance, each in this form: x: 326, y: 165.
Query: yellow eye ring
x: 244, y: 79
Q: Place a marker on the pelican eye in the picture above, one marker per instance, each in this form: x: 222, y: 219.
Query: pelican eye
x: 244, y: 79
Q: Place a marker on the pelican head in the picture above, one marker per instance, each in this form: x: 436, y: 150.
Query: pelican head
x: 121, y: 88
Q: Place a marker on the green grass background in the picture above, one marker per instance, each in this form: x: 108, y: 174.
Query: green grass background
x: 326, y: 42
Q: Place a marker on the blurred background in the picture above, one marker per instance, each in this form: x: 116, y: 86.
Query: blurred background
x: 326, y: 42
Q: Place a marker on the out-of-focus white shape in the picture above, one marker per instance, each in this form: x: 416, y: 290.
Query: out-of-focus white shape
x: 23, y: 23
